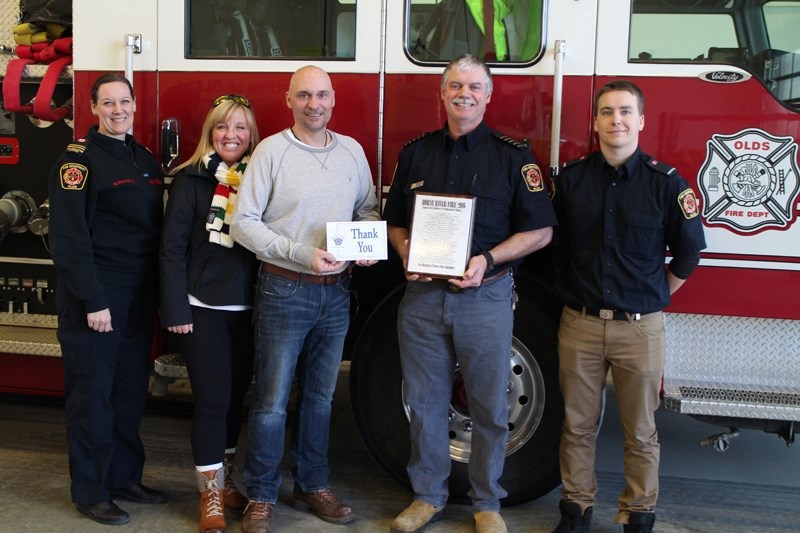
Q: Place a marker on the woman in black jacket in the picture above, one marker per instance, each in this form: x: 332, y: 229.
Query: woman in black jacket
x: 207, y: 284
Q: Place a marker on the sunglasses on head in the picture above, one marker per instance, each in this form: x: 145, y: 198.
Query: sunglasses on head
x: 241, y: 100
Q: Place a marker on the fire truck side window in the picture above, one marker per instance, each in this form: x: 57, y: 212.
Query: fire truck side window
x: 307, y: 29
x: 760, y: 36
x: 781, y: 61
x: 439, y: 30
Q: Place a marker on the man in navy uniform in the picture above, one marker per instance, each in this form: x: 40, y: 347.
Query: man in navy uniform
x: 618, y: 211
x: 466, y: 321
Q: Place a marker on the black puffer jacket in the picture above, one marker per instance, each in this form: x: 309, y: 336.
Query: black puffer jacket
x: 190, y: 264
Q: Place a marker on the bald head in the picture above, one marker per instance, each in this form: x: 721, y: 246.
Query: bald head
x: 309, y: 74
x: 311, y: 99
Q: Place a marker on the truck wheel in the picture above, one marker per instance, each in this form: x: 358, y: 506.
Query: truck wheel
x: 535, y: 405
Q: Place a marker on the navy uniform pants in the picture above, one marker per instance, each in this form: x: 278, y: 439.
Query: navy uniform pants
x: 105, y: 385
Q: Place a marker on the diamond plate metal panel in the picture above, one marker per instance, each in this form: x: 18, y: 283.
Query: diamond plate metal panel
x: 733, y: 366
x: 29, y: 341
x: 724, y: 349
x: 674, y: 400
x: 29, y: 319
x: 9, y: 17
x: 171, y: 365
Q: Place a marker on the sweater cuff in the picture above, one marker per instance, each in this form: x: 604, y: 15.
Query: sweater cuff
x: 304, y: 255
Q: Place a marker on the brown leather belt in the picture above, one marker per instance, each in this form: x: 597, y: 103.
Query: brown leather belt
x: 496, y: 275
x: 315, y: 279
x: 493, y: 277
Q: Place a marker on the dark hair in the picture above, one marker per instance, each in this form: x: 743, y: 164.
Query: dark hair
x: 621, y: 85
x: 468, y: 62
x: 109, y: 78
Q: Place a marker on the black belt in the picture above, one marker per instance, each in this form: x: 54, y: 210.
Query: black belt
x: 606, y: 314
x: 315, y: 279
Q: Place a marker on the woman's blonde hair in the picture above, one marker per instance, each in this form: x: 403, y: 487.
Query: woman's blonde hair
x: 221, y: 112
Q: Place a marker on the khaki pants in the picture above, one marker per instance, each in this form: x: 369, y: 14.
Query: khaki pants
x: 634, y: 351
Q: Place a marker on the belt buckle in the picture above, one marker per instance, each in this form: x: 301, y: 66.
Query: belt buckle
x: 606, y: 314
x: 453, y: 288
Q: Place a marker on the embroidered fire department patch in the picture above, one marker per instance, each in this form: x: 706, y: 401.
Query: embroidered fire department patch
x: 533, y: 177
x: 73, y: 176
x: 688, y: 203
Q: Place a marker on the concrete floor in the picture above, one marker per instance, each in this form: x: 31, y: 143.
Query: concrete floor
x: 754, y: 487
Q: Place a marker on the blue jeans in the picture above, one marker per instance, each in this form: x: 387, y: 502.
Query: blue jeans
x: 437, y: 329
x: 299, y: 328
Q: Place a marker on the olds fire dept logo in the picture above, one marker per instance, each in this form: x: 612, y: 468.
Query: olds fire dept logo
x: 749, y: 181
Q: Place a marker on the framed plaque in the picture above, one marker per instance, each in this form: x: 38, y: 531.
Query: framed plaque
x: 441, y: 235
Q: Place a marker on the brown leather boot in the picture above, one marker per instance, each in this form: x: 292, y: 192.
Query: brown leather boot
x: 324, y: 504
x: 212, y: 516
x: 257, y: 518
x: 234, y: 499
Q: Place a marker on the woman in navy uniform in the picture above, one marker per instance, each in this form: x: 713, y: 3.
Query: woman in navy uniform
x: 106, y: 202
x: 207, y: 297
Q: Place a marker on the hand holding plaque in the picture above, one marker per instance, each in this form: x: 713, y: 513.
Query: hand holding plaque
x: 441, y: 235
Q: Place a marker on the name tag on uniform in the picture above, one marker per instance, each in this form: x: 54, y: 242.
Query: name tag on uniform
x: 350, y: 241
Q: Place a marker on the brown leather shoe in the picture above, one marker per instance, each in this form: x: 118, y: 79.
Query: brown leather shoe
x: 324, y: 504
x: 257, y: 518
x: 234, y: 499
x: 212, y: 515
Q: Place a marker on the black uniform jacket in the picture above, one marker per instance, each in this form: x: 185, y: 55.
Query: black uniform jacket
x: 500, y: 172
x: 106, y: 205
x: 615, y: 227
x: 190, y: 264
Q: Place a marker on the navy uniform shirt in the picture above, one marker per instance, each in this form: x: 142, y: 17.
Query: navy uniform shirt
x: 106, y: 204
x: 500, y: 172
x: 615, y: 227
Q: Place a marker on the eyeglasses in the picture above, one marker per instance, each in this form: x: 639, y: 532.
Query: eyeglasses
x: 241, y: 100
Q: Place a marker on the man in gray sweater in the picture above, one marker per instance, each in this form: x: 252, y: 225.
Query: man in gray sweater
x: 298, y: 180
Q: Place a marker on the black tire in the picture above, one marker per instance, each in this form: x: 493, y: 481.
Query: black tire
x: 531, y: 468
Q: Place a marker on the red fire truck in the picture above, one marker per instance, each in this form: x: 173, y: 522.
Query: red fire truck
x: 722, y: 82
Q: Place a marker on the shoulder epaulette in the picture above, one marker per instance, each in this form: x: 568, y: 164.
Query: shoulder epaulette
x: 577, y: 160
x: 79, y: 146
x: 426, y: 134
x: 661, y: 167
x: 521, y: 145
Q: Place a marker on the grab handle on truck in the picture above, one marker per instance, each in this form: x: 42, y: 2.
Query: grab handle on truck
x: 170, y: 142
x: 558, y: 89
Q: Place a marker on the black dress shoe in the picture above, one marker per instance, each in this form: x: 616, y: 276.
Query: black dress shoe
x: 106, y: 513
x: 138, y: 494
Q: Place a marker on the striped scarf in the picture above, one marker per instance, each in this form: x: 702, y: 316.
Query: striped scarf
x: 218, y: 222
